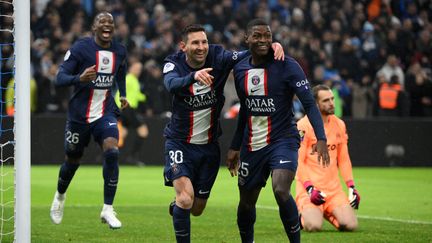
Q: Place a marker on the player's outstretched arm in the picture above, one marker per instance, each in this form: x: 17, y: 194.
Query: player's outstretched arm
x: 232, y: 161
x: 174, y: 82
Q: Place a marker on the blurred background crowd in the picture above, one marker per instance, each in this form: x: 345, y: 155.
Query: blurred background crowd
x: 375, y: 54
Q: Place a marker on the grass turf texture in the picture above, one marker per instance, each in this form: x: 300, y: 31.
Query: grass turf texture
x: 395, y: 207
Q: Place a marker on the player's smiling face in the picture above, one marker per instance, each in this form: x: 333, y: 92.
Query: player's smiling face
x: 196, y: 48
x: 259, y: 39
x: 103, y: 27
x: 326, y: 102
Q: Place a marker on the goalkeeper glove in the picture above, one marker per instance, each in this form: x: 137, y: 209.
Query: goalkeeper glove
x: 353, y: 195
x: 317, y: 197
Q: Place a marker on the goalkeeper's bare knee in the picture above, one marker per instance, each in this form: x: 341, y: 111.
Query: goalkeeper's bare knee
x: 348, y: 226
x: 312, y: 227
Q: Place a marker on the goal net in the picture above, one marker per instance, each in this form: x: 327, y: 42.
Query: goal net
x: 15, y: 121
x: 7, y: 139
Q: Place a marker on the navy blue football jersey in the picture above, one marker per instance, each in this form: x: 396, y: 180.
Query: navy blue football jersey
x: 92, y: 100
x: 266, y: 93
x: 196, y: 108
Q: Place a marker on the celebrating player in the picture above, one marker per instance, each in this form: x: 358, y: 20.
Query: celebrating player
x: 196, y: 77
x: 266, y: 132
x: 92, y: 65
x: 319, y: 192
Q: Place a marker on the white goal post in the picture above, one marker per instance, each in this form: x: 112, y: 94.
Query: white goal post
x: 22, y: 121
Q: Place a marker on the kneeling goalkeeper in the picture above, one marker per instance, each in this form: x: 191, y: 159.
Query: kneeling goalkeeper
x: 319, y: 191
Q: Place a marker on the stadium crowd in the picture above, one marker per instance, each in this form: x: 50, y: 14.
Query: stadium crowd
x: 375, y: 54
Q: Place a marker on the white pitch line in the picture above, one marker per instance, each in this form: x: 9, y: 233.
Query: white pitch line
x: 367, y: 217
x: 395, y: 220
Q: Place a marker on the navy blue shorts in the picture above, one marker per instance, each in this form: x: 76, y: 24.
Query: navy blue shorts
x: 77, y: 135
x: 199, y: 162
x: 256, y: 166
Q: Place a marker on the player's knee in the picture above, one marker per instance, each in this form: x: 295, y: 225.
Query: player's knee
x: 348, y: 226
x: 281, y: 194
x: 73, y: 157
x: 73, y: 160
x: 197, y: 211
x: 244, y: 204
x: 110, y: 143
x: 184, y: 200
x: 312, y: 227
x: 111, y: 156
x: 198, y: 206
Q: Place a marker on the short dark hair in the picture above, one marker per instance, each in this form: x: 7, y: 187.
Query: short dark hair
x: 191, y: 29
x: 318, y: 88
x: 255, y: 22
x: 100, y: 14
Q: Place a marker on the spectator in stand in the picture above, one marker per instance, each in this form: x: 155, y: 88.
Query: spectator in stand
x: 339, y: 87
x: 346, y: 60
x: 419, y: 86
x: 158, y: 98
x: 392, y: 99
x: 370, y: 48
x: 314, y: 29
x: 391, y: 68
x: 9, y: 99
x: 131, y: 118
x: 363, y: 98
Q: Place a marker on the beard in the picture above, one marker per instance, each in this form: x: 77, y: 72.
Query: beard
x: 328, y: 111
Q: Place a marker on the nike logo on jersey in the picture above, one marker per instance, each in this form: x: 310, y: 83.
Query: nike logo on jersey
x: 104, y: 68
x: 112, y: 123
x: 199, y: 90
x: 203, y: 192
x: 284, y: 161
x: 254, y: 90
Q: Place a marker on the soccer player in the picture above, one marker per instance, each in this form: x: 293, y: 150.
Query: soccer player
x: 266, y: 130
x: 319, y: 191
x: 195, y: 76
x: 92, y: 65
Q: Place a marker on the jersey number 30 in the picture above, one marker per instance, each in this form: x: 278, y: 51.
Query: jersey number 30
x: 176, y: 156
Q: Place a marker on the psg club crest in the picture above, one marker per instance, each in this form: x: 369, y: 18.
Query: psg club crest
x: 105, y: 60
x: 175, y: 169
x: 255, y: 80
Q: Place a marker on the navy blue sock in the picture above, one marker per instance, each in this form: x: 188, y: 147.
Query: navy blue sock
x: 289, y: 215
x: 110, y: 174
x: 66, y: 173
x: 245, y: 221
x: 182, y: 225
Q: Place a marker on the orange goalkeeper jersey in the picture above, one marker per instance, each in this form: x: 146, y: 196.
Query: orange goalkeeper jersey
x: 324, y: 179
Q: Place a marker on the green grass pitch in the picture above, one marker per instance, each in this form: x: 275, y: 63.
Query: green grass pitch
x: 395, y: 207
